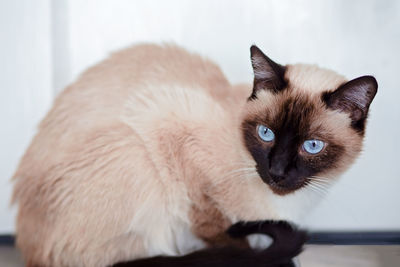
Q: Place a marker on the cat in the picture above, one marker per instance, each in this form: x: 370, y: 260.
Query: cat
x: 153, y: 152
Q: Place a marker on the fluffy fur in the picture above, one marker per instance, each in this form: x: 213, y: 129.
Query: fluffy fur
x: 144, y: 155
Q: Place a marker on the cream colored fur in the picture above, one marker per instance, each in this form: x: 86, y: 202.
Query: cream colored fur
x: 129, y: 150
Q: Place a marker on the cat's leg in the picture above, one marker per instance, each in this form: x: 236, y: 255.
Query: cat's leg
x: 287, y: 244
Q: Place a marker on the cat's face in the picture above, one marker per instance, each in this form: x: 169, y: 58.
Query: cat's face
x: 303, y: 123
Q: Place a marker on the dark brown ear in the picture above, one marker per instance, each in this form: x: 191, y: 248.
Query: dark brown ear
x: 354, y: 98
x: 268, y: 75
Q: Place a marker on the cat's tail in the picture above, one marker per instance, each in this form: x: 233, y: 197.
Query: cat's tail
x: 288, y: 243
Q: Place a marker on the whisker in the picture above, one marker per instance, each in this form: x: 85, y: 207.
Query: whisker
x: 252, y: 175
x: 324, y: 182
x: 242, y: 169
x: 321, y: 184
x: 326, y: 179
x: 244, y: 172
x: 321, y: 178
x: 323, y: 189
x: 321, y: 181
x: 316, y: 189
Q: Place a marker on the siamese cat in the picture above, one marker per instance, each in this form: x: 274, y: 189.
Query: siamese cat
x: 153, y: 152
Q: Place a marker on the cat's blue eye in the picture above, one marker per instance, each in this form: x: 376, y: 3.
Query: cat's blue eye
x: 265, y: 133
x: 313, y: 146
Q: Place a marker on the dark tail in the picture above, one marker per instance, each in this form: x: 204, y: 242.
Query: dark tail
x: 288, y: 243
x: 288, y: 240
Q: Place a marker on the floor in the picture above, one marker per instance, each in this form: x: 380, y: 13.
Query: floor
x: 350, y: 256
x: 313, y: 256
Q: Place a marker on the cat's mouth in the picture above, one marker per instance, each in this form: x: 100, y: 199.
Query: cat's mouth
x: 285, y: 186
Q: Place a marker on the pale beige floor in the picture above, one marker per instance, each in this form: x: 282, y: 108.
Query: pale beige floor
x: 10, y: 257
x: 350, y: 256
x: 313, y: 256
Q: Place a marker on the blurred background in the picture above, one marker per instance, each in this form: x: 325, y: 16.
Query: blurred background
x: 46, y: 44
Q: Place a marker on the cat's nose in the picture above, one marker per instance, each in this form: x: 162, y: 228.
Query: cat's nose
x: 277, y: 173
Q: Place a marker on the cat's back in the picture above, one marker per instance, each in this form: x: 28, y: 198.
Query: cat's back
x: 94, y: 144
x: 151, y: 67
x: 100, y: 97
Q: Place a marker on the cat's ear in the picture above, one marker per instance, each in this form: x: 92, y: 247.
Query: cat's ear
x: 268, y: 75
x: 354, y: 98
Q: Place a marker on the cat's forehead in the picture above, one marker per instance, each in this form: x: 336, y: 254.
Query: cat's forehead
x: 296, y: 112
x: 300, y: 104
x: 312, y: 79
x: 286, y: 109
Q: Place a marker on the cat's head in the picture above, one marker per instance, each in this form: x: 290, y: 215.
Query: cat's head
x: 303, y: 123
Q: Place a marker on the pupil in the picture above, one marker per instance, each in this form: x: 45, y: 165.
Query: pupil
x: 265, y: 131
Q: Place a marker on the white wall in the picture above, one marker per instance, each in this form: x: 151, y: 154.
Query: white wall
x: 25, y: 86
x: 352, y: 37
